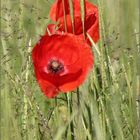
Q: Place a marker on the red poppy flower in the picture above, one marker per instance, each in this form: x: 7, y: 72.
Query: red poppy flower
x: 61, y: 63
x: 61, y: 12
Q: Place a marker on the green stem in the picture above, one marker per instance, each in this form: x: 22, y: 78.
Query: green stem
x: 78, y: 98
x: 72, y: 15
x: 65, y: 20
x: 70, y: 101
x: 83, y: 11
x: 71, y: 124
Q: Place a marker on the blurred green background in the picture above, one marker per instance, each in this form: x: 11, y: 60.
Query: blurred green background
x: 105, y: 107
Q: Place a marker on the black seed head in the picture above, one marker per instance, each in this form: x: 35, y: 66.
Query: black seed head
x: 55, y: 66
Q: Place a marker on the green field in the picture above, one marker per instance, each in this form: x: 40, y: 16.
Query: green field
x: 105, y: 107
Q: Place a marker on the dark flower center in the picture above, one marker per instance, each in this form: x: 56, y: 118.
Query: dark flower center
x: 55, y: 66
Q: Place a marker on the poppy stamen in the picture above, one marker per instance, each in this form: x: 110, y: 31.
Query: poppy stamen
x: 55, y: 66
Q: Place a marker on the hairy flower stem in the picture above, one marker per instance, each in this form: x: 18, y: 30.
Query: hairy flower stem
x: 65, y: 20
x: 70, y: 102
x: 72, y: 15
x: 71, y: 124
x: 78, y: 98
x: 83, y: 11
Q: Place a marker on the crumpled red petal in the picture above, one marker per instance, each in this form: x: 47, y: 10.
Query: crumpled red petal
x: 91, y: 18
